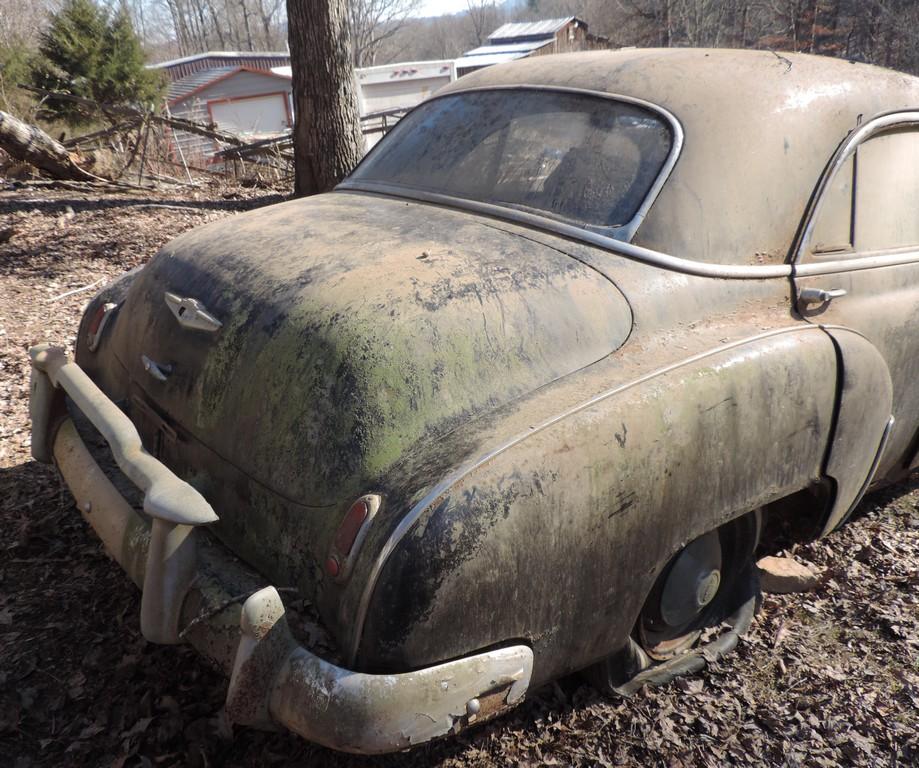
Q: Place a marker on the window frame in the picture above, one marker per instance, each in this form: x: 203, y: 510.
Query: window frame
x: 624, y: 232
x: 805, y: 251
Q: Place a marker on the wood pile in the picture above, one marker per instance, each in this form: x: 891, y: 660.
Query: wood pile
x: 139, y: 146
x: 142, y: 152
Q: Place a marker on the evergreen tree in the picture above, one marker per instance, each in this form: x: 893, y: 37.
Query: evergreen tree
x: 121, y: 76
x: 85, y: 53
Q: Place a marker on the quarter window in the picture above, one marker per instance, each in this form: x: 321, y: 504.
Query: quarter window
x: 887, y: 192
x: 872, y: 203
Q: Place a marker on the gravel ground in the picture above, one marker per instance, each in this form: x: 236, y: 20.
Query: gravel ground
x: 825, y: 678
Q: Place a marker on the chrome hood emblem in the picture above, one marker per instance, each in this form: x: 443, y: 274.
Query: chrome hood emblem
x: 191, y: 313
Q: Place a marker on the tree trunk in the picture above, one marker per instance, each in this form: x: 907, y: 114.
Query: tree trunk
x: 32, y: 145
x: 328, y: 141
x: 245, y: 10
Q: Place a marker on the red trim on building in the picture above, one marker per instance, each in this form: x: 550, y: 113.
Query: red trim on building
x: 263, y: 72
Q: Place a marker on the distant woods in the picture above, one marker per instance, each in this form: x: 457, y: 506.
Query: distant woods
x: 202, y: 25
x: 884, y: 32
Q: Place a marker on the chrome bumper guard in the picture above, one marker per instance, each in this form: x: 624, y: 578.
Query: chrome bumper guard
x: 273, y: 680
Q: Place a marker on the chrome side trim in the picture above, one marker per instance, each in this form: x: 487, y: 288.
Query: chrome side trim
x: 627, y: 231
x: 636, y: 252
x: 882, y: 445
x: 885, y: 437
x: 848, y: 146
x: 412, y: 516
x: 855, y: 264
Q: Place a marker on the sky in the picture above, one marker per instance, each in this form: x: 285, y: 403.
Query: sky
x: 438, y: 7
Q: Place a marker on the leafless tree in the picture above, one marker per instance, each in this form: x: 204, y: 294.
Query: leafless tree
x: 200, y: 25
x: 21, y: 21
x: 375, y: 21
x: 328, y: 141
x: 483, y: 14
x: 880, y: 31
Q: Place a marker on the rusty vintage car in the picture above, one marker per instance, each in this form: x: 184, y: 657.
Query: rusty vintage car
x: 515, y: 399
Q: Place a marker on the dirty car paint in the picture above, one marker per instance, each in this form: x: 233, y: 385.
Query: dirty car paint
x: 547, y: 421
x: 353, y: 328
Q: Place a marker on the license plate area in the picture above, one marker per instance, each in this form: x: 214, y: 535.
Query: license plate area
x: 157, y: 435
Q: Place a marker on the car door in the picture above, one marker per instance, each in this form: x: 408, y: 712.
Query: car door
x: 857, y: 268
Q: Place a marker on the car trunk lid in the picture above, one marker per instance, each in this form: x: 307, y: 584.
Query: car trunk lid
x: 349, y: 328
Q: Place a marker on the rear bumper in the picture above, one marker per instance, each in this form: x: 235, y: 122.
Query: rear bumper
x: 194, y: 591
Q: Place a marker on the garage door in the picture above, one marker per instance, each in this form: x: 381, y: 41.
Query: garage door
x: 259, y: 114
x: 393, y: 94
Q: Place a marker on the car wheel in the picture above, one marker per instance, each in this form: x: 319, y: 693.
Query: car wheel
x: 710, y: 582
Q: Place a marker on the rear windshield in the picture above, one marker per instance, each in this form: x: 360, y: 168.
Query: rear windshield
x: 582, y: 159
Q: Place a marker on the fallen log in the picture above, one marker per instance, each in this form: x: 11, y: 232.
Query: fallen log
x: 32, y: 145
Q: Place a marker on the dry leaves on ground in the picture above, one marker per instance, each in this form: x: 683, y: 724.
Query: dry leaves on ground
x: 824, y: 678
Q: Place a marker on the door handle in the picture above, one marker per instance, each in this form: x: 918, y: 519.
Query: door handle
x: 158, y: 371
x: 820, y: 295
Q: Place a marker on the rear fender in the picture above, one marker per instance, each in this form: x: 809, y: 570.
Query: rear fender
x: 864, y: 414
x: 558, y: 538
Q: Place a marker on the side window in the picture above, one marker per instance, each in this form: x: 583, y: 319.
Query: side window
x: 833, y: 228
x: 887, y: 192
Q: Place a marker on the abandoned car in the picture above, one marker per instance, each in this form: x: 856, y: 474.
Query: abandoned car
x: 515, y: 398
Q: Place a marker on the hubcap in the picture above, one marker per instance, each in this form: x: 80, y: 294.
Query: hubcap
x: 693, y: 581
x: 697, y: 589
x: 708, y: 588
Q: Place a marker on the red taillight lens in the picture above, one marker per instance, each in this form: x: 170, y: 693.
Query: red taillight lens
x: 97, y: 324
x: 351, y: 526
x: 350, y: 534
x: 97, y: 320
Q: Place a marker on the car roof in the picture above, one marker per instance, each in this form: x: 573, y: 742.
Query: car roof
x: 759, y: 127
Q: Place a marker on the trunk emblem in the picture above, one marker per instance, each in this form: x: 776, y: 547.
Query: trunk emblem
x: 191, y: 313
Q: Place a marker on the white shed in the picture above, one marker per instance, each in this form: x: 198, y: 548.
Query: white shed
x: 252, y: 103
x: 394, y: 86
x: 249, y: 94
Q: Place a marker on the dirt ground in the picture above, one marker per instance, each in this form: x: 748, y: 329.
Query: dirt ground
x: 826, y: 678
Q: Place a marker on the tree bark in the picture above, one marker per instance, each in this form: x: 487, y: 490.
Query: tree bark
x: 32, y: 145
x: 328, y: 141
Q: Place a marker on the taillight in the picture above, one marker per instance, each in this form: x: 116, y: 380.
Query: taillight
x: 97, y: 324
x: 350, y: 535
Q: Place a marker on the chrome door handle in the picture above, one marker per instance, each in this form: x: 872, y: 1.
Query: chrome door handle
x: 158, y: 371
x: 820, y: 295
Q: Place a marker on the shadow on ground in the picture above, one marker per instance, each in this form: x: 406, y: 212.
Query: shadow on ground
x: 80, y: 686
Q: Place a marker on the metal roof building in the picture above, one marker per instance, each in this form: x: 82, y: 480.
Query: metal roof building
x: 253, y: 102
x: 176, y: 69
x: 249, y: 94
x: 519, y: 40
x: 519, y: 30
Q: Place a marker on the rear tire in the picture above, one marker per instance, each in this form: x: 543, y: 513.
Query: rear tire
x: 710, y: 582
